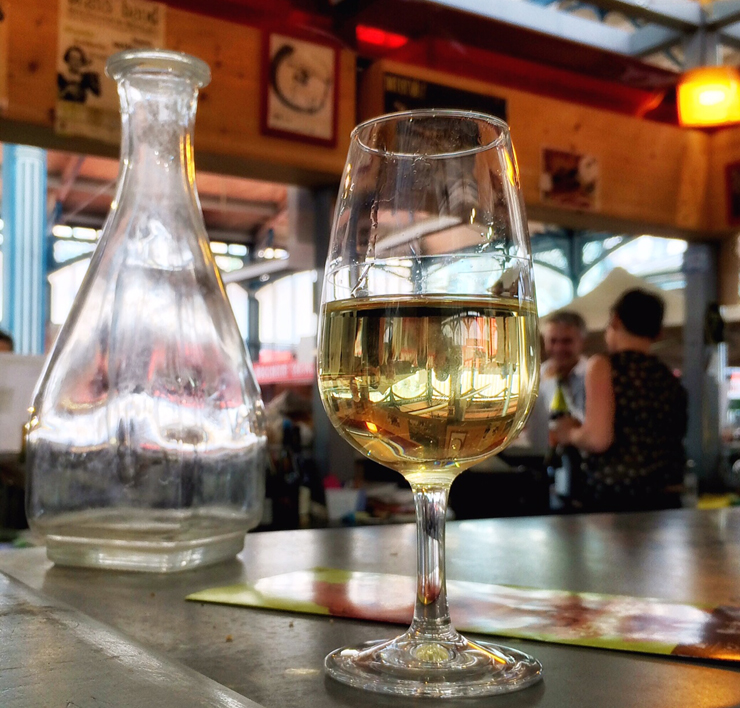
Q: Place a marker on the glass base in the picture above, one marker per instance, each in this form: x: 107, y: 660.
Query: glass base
x: 411, y: 666
x: 152, y: 558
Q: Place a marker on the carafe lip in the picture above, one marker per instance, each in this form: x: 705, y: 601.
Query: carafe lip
x: 158, y: 61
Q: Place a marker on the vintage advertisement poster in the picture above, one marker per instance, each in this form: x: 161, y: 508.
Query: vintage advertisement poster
x: 569, y: 180
x: 3, y: 55
x: 89, y: 32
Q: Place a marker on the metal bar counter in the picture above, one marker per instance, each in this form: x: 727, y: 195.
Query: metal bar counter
x: 52, y: 655
x: 276, y: 658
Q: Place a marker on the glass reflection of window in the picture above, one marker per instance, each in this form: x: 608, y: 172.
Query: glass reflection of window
x: 424, y: 386
x: 554, y: 290
x: 239, y: 300
x: 464, y: 275
x: 341, y: 285
x: 484, y: 343
x: 65, y: 283
x: 73, y: 244
x: 287, y: 310
x: 390, y: 278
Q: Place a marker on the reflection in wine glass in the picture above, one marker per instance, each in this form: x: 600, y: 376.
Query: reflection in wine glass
x: 428, y: 356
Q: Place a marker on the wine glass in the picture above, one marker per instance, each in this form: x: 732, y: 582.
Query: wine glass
x: 429, y: 356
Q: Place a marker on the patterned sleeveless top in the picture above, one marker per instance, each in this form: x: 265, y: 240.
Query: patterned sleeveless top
x: 647, y: 455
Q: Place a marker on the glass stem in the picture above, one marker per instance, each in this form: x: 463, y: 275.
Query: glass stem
x: 431, y: 612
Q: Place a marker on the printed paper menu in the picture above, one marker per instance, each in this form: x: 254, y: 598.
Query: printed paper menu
x: 586, y: 619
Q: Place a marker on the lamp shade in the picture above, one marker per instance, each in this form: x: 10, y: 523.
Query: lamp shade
x: 709, y: 96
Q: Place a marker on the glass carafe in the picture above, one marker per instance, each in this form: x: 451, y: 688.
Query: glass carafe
x: 146, y: 443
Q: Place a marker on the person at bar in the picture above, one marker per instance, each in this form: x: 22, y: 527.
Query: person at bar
x: 635, y: 419
x: 564, y: 335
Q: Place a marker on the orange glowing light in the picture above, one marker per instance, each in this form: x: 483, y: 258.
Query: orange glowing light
x: 512, y: 172
x: 709, y: 96
x: 372, y: 427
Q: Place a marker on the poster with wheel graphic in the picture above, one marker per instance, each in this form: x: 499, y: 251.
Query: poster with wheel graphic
x: 299, y: 89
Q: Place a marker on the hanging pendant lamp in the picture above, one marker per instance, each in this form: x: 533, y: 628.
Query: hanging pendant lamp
x: 709, y: 96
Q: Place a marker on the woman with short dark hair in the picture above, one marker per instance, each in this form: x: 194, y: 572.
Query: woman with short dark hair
x: 635, y: 419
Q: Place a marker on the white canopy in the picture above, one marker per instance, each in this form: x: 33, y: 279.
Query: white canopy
x: 594, y: 306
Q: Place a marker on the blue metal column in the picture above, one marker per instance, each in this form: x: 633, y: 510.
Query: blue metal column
x: 24, y: 233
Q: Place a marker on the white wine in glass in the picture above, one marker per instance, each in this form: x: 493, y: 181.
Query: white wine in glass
x: 428, y: 356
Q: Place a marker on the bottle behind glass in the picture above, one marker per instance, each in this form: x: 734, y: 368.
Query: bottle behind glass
x: 558, y: 409
x: 146, y: 444
x: 561, y: 461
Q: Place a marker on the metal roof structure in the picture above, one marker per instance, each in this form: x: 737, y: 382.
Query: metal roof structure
x: 675, y: 34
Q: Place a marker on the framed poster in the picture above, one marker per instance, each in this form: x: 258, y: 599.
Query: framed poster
x: 569, y: 179
x: 300, y: 89
x: 732, y: 188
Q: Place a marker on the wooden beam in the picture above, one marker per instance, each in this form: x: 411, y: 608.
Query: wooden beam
x: 653, y: 175
x: 228, y: 137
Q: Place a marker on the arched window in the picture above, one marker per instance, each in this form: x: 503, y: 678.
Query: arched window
x: 554, y: 290
x: 657, y: 260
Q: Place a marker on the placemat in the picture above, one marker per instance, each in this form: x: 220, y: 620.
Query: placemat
x: 585, y: 619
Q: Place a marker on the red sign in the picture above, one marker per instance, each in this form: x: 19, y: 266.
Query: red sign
x: 293, y: 372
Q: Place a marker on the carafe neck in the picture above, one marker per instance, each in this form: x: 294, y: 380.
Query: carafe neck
x: 158, y: 115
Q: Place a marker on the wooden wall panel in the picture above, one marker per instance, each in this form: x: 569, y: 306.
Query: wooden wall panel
x: 725, y: 150
x: 655, y: 178
x: 729, y: 265
x: 653, y: 175
x: 227, y: 127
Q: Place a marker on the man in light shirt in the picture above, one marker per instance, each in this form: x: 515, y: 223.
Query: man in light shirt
x: 564, y: 335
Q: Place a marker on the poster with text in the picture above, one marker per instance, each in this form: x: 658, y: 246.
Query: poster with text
x: 3, y: 55
x: 89, y: 32
x: 569, y: 180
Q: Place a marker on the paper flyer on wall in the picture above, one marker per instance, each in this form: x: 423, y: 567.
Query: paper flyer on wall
x: 570, y: 180
x: 89, y: 32
x: 3, y: 54
x: 584, y: 619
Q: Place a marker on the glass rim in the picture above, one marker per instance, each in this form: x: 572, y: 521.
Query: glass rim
x: 476, y: 116
x: 158, y: 61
